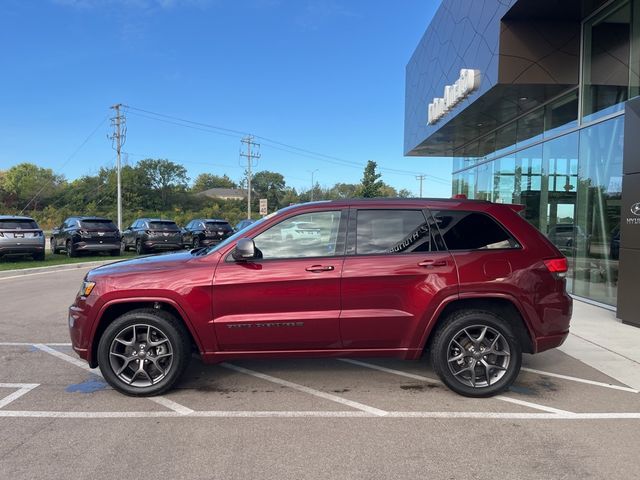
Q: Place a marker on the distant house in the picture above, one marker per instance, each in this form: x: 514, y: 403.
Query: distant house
x: 225, y: 193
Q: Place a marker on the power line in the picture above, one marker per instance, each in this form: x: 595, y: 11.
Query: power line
x: 64, y: 164
x: 274, y: 143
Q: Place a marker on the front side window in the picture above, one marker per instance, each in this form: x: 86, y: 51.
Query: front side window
x: 392, y: 231
x: 307, y: 235
x: 472, y: 231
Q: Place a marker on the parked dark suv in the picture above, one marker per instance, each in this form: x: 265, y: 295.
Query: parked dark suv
x: 152, y: 234
x: 202, y: 232
x: 21, y: 235
x: 471, y: 282
x: 86, y: 234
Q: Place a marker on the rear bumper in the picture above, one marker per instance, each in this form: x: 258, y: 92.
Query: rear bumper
x: 163, y: 245
x: 551, y: 341
x: 16, y: 249
x: 97, y: 247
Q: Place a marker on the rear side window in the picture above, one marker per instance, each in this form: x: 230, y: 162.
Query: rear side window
x: 18, y: 224
x: 472, y: 231
x: 98, y: 224
x: 163, y: 226
x: 392, y: 231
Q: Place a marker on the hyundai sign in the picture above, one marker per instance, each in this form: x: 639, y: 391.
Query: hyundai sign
x: 468, y: 82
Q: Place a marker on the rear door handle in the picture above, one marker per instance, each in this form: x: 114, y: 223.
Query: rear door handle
x: 319, y: 268
x: 432, y: 263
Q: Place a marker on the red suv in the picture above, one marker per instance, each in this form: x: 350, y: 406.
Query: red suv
x: 469, y: 281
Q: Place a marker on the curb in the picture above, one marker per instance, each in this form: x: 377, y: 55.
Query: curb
x: 52, y: 268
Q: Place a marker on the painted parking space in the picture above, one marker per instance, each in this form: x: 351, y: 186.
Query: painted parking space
x: 48, y: 380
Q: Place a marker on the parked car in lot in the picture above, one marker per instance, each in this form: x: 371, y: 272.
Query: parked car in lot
x: 242, y: 224
x: 202, y: 232
x: 567, y: 236
x: 471, y: 282
x: 21, y: 235
x: 301, y: 230
x: 152, y: 234
x: 85, y: 234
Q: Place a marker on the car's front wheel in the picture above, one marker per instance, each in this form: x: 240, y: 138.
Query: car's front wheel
x: 143, y: 352
x: 476, y: 354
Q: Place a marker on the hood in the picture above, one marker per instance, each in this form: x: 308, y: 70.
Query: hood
x: 152, y: 263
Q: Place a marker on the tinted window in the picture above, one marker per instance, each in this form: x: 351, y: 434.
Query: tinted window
x: 163, y: 226
x: 392, y: 231
x: 18, y: 224
x: 98, y: 224
x: 306, y: 235
x: 472, y: 231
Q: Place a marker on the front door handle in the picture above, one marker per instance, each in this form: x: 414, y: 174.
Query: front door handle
x: 319, y: 268
x: 432, y: 263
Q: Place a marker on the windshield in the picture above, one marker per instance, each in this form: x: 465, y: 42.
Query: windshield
x: 98, y: 224
x: 18, y: 224
x: 163, y: 226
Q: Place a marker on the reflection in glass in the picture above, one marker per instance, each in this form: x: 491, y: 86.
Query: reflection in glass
x: 598, y: 211
x: 607, y: 39
x: 306, y: 235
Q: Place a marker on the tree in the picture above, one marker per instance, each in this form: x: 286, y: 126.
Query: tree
x: 27, y: 185
x: 371, y: 185
x: 165, y: 177
x: 269, y: 185
x: 205, y: 181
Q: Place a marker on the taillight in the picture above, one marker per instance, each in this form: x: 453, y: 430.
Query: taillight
x: 558, y: 266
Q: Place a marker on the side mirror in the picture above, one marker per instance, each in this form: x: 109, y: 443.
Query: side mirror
x: 245, y: 249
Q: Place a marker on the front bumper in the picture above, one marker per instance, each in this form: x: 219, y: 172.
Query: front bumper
x: 79, y: 326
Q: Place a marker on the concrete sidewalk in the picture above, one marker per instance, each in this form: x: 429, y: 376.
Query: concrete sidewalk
x: 602, y: 341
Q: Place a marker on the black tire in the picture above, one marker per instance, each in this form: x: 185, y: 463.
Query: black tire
x: 196, y: 242
x: 115, y: 252
x: 474, y: 365
x: 71, y: 250
x: 161, y: 323
x: 38, y: 256
x: 54, y: 250
x: 123, y: 246
x: 140, y: 250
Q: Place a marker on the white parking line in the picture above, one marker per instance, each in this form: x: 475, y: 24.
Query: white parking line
x: 413, y: 376
x: 324, y: 414
x: 582, y: 380
x: 30, y: 344
x: 60, y: 270
x: 310, y: 391
x: 165, y: 402
x: 22, y: 389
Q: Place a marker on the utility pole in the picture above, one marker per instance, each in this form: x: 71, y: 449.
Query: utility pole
x: 248, y: 141
x: 118, y: 138
x: 313, y: 184
x: 421, y: 178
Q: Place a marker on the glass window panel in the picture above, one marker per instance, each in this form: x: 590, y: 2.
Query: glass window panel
x: 505, y: 138
x: 598, y: 211
x: 607, y: 41
x: 561, y: 114
x: 530, y: 127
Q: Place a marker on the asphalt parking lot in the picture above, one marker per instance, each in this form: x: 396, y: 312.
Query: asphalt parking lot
x: 334, y: 418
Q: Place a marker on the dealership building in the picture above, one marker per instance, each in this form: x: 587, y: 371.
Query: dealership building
x: 537, y: 103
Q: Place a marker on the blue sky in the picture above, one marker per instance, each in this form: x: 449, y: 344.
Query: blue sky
x: 326, y: 76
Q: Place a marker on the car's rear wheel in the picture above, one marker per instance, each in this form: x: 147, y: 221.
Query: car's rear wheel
x: 71, y: 250
x: 476, y: 354
x: 123, y: 246
x: 115, y: 252
x: 140, y: 250
x: 143, y: 352
x: 38, y: 256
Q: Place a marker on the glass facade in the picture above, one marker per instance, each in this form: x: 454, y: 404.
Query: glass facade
x: 563, y: 160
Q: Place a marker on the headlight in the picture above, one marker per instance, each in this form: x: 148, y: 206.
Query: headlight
x: 86, y: 288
